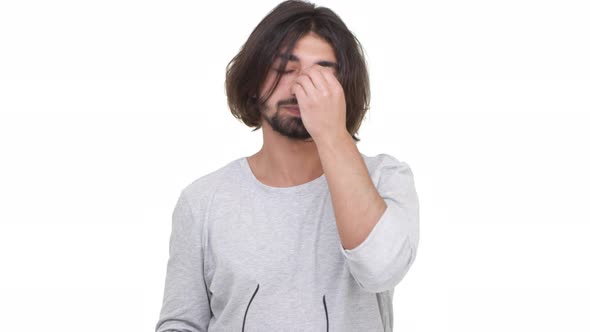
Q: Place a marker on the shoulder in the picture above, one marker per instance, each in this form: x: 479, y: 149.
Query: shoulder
x: 387, y: 171
x: 382, y: 161
x: 204, y: 187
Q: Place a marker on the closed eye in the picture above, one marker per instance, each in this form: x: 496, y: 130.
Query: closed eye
x: 284, y: 71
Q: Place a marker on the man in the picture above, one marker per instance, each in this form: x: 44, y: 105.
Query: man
x: 308, y: 234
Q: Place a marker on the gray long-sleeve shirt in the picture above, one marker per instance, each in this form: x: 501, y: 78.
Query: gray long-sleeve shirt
x: 244, y: 256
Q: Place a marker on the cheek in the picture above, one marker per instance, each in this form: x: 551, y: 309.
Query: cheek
x: 286, y: 84
x: 267, y: 85
x: 283, y: 89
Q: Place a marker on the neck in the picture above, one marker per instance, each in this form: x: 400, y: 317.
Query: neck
x: 285, y: 162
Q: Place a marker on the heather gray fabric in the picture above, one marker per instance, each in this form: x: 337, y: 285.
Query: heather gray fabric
x: 244, y: 256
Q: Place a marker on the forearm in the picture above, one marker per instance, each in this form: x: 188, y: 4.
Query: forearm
x: 356, y: 202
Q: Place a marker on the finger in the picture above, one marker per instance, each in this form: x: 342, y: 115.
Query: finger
x: 318, y: 79
x: 298, y: 90
x: 331, y: 79
x: 305, y: 83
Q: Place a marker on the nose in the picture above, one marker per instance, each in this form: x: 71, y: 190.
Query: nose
x: 291, y: 78
x: 292, y: 84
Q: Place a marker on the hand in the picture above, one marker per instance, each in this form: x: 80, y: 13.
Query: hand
x: 322, y: 104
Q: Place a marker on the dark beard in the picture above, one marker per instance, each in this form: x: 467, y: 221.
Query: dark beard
x: 287, y: 125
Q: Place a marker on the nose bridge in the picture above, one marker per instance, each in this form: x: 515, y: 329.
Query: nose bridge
x: 306, y: 63
x: 302, y: 65
x: 290, y: 79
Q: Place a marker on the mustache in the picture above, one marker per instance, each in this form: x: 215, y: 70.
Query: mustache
x: 288, y: 102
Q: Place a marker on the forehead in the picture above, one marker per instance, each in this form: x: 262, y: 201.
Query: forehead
x: 309, y: 48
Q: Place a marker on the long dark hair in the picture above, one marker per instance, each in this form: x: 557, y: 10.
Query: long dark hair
x: 282, y: 27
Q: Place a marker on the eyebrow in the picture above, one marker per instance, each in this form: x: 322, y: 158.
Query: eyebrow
x: 292, y: 57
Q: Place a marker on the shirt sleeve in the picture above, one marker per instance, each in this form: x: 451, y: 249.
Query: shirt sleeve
x: 185, y: 306
x: 381, y: 261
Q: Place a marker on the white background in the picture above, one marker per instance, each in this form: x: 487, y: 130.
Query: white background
x: 109, y: 108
